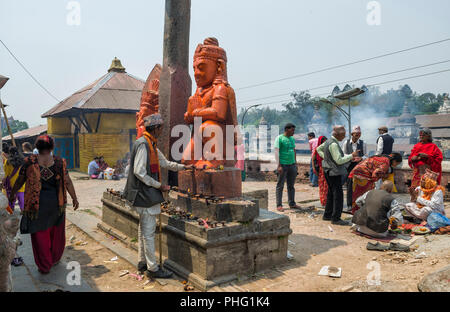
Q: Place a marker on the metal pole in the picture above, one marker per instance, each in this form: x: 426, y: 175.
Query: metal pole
x: 349, y: 117
x: 245, y: 112
x: 160, y: 242
x: 7, y: 123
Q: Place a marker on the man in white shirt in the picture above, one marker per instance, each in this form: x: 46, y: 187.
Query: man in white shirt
x: 384, y: 142
x: 349, y: 146
x: 143, y: 190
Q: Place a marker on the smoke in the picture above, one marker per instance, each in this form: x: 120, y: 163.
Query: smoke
x: 368, y: 118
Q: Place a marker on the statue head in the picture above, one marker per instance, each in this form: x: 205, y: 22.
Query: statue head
x: 210, y: 63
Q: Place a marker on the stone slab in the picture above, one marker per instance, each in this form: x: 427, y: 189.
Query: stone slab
x: 238, y: 209
x: 260, y: 197
x: 211, y: 182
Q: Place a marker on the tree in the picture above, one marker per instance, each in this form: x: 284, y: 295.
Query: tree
x: 16, y: 126
x: 300, y: 109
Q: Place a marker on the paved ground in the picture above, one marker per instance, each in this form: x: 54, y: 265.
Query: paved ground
x: 26, y: 278
x: 314, y: 243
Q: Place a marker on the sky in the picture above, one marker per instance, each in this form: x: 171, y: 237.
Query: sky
x: 265, y: 40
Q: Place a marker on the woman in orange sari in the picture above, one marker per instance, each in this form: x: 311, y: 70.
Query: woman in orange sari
x: 425, y: 155
x: 318, y: 170
x: 369, y: 171
x: 427, y: 198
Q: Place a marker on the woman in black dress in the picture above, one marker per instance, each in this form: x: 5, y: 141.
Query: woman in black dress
x: 47, y: 184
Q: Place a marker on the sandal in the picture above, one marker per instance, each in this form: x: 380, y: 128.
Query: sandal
x: 17, y: 261
x: 280, y: 209
x: 377, y: 246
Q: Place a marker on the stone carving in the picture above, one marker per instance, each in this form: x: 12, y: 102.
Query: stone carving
x: 149, y: 99
x: 9, y: 225
x: 214, y: 102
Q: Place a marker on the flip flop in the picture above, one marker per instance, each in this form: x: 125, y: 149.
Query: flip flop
x: 18, y: 261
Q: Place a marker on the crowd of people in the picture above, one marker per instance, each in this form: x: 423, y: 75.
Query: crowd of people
x: 369, y: 181
x: 98, y: 168
x: 39, y: 182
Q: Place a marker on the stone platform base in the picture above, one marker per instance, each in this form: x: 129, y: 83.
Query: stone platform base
x: 226, y: 183
x: 242, y: 209
x: 209, y: 257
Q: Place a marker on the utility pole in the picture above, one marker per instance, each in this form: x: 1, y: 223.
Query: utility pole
x: 3, y: 80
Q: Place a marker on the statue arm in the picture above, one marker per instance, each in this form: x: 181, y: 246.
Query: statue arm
x: 219, y: 107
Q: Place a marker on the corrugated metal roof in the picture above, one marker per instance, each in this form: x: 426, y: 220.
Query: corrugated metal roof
x: 434, y: 121
x: 112, y: 91
x: 30, y: 132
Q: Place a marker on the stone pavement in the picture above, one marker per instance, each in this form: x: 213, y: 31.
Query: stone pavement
x: 26, y: 278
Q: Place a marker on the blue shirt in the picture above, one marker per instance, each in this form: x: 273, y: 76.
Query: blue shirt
x: 93, y: 168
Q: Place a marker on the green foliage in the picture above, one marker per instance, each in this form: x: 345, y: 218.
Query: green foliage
x: 15, y: 126
x: 300, y: 109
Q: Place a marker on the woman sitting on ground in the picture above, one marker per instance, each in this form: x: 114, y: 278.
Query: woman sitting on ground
x: 428, y: 197
x: 369, y: 171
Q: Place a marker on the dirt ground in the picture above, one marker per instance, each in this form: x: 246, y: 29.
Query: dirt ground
x: 314, y: 243
x: 103, y: 274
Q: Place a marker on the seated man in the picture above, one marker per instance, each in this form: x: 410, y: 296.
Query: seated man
x: 378, y: 210
x: 94, y: 169
x: 427, y: 198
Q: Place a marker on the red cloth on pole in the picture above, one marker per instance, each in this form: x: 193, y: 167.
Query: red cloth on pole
x: 433, y: 162
x: 48, y: 246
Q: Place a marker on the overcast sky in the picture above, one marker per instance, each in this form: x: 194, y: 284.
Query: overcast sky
x: 264, y: 40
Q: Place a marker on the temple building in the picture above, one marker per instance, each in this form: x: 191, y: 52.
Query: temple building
x: 445, y: 108
x: 318, y: 125
x: 98, y: 120
x: 405, y: 129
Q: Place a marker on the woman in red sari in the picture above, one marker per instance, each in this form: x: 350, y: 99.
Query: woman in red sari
x: 369, y: 171
x: 425, y: 155
x: 318, y: 170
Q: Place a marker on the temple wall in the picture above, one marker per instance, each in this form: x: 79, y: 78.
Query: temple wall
x: 58, y: 126
x: 111, y: 122
x: 111, y: 146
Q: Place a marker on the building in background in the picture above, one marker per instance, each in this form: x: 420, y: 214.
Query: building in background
x: 98, y: 120
x: 29, y: 135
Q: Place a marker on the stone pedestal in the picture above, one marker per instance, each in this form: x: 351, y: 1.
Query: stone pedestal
x: 211, y: 182
x: 209, y: 256
x: 241, y: 209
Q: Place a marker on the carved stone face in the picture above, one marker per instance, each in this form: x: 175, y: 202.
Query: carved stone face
x: 205, y: 71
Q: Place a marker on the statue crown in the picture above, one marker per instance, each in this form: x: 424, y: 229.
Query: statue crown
x: 210, y: 50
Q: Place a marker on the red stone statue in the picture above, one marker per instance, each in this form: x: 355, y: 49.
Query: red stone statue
x: 215, y: 102
x: 149, y: 99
